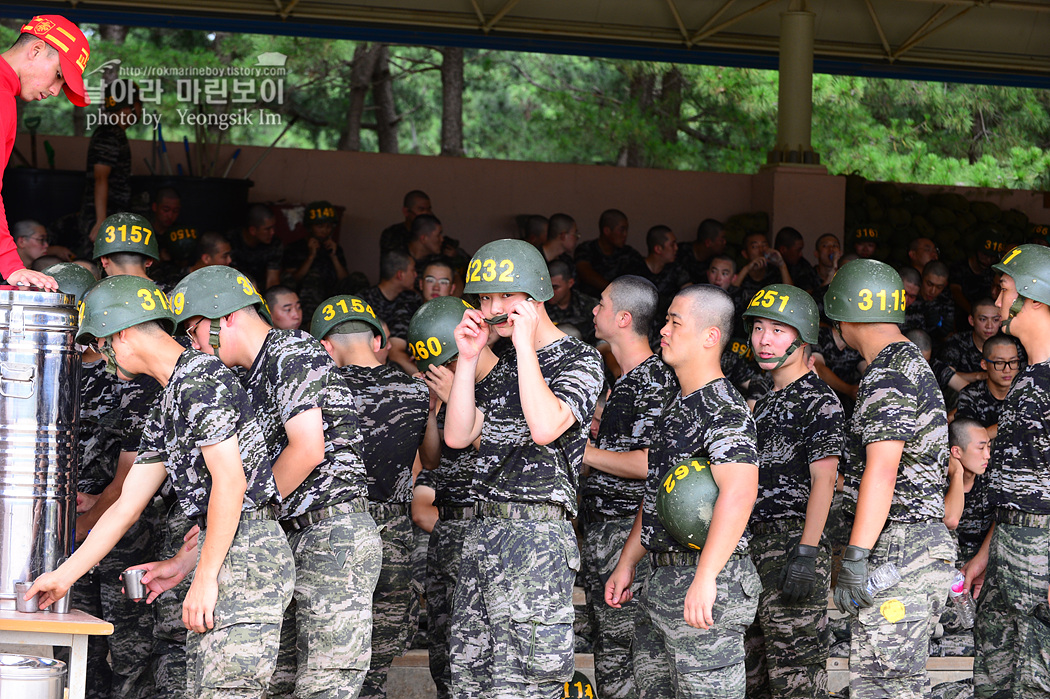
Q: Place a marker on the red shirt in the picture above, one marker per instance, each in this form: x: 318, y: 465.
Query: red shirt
x: 10, y: 87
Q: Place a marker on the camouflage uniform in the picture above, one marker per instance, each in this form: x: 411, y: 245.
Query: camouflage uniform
x: 621, y: 261
x: 842, y: 362
x: 392, y: 413
x: 961, y: 353
x: 169, y: 633
x: 898, y: 400
x: 1012, y: 633
x: 976, y: 520
x: 256, y: 261
x: 396, y: 313
x: 610, y: 504
x: 202, y: 404
x: 512, y: 613
x: 579, y: 313
x: 333, y: 539
x: 977, y: 403
x: 738, y: 363
x: 936, y: 317
x: 320, y: 281
x: 788, y: 645
x: 671, y: 658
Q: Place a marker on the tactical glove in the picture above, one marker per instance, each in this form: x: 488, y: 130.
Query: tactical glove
x: 799, y: 575
x: 851, y: 590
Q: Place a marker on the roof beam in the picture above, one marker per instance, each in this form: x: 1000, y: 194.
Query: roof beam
x: 499, y: 15
x: 678, y: 21
x: 921, y: 34
x: 878, y: 28
x: 708, y: 30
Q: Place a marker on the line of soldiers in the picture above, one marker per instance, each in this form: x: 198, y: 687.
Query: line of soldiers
x: 281, y: 446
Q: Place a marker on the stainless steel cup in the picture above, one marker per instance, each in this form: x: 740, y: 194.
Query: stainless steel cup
x: 133, y: 587
x: 21, y: 588
x: 60, y: 606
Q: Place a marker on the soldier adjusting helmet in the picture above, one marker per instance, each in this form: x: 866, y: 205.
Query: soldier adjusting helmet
x: 342, y: 310
x: 1029, y: 267
x: 685, y: 501
x: 319, y: 212
x: 865, y: 291
x: 430, y: 332
x: 126, y: 232
x: 791, y: 306
x: 509, y: 266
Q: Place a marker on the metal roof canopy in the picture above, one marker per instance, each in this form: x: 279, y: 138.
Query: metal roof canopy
x: 1001, y: 42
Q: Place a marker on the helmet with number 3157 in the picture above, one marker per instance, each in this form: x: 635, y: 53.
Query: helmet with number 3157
x: 119, y: 302
x: 126, y: 232
x: 865, y: 291
x: 509, y: 266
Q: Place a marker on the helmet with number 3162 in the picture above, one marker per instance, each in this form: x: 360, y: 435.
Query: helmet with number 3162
x: 865, y: 291
x: 509, y: 266
x: 126, y: 232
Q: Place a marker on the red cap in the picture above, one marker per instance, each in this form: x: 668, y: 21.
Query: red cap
x: 73, y: 51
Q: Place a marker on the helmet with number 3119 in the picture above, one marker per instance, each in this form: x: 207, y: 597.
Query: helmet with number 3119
x: 509, y: 266
x: 119, y: 302
x: 865, y: 291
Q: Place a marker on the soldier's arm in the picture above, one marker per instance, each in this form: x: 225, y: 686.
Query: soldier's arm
x: 547, y: 415
x: 882, y: 460
x: 632, y: 464
x: 955, y: 498
x: 618, y: 587
x: 108, y: 496
x: 737, y: 492
x: 399, y: 355
x: 273, y: 278
x: 304, y: 452
x: 822, y: 474
x: 463, y: 420
x: 149, y: 477
x: 975, y: 568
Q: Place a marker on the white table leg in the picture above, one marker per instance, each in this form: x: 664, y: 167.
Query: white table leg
x: 78, y: 667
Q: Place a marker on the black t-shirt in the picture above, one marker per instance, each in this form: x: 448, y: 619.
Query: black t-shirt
x: 397, y: 312
x: 961, y: 353
x: 1020, y: 465
x: 620, y: 261
x: 976, y: 402
x: 258, y: 260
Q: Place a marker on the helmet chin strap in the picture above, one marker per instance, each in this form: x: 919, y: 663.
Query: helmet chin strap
x: 795, y: 344
x: 1015, y: 308
x: 213, y: 335
x: 112, y: 364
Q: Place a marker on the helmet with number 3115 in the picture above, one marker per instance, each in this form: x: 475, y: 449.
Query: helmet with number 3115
x: 339, y: 310
x: 865, y: 291
x: 431, y: 339
x: 119, y: 302
x: 509, y: 266
x: 126, y: 232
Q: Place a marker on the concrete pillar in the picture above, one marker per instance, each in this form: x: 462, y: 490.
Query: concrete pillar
x: 795, y: 99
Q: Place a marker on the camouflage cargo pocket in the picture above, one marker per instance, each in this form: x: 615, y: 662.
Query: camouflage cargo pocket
x: 544, y: 650
x: 894, y: 638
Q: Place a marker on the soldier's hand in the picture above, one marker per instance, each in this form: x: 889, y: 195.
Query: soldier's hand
x: 700, y: 602
x: 851, y: 591
x: 471, y: 335
x: 161, y: 576
x: 51, y: 586
x: 525, y: 319
x: 85, y: 501
x: 974, y: 570
x: 198, y: 611
x: 439, y: 381
x: 27, y: 277
x: 799, y: 574
x: 618, y: 588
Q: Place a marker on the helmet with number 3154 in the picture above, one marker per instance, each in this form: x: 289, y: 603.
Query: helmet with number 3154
x: 339, y: 310
x: 431, y: 339
x: 865, y: 291
x: 126, y: 232
x: 119, y: 302
x: 509, y: 266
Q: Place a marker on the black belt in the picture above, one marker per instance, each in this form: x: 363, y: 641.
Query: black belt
x: 777, y: 526
x: 294, y: 524
x: 386, y: 510
x: 267, y: 512
x: 674, y: 558
x: 448, y: 513
x: 1021, y: 519
x: 520, y: 510
x: 594, y: 516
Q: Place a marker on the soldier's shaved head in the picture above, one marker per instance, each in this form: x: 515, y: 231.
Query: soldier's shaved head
x: 711, y: 306
x: 637, y: 296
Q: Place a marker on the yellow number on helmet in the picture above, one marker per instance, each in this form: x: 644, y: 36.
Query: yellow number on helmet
x: 178, y: 302
x: 147, y: 300
x: 865, y: 302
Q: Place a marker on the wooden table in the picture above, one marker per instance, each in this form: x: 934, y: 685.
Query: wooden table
x: 43, y: 629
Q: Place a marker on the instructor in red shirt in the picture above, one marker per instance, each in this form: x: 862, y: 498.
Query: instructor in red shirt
x: 49, y: 55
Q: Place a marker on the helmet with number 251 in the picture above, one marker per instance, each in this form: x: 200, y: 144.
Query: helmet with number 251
x: 430, y: 332
x: 509, y: 266
x: 125, y: 232
x: 865, y: 291
x: 213, y: 292
x: 340, y: 310
x: 117, y: 303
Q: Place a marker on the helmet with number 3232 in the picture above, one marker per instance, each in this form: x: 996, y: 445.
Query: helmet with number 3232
x: 430, y: 332
x: 509, y: 266
x: 865, y: 291
x: 339, y: 310
x: 119, y: 302
x: 126, y: 232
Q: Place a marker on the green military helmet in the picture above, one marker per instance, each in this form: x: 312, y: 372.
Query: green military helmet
x: 119, y: 302
x: 579, y: 687
x: 1029, y: 267
x: 180, y: 241
x: 126, y: 232
x: 339, y: 310
x: 865, y: 291
x: 72, y: 279
x: 685, y: 501
x: 319, y: 212
x: 508, y: 266
x: 788, y: 305
x: 213, y: 292
x: 430, y: 332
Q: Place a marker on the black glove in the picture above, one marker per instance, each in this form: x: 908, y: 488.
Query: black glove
x: 851, y: 590
x: 799, y: 574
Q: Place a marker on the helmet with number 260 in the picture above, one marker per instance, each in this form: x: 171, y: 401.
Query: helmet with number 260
x: 117, y: 303
x: 338, y: 310
x: 430, y: 332
x: 509, y: 266
x: 685, y: 501
x: 125, y: 232
x: 865, y: 291
x: 213, y: 292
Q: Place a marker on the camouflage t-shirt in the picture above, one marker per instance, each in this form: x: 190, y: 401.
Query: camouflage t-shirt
x: 620, y: 261
x: 453, y: 479
x: 631, y: 418
x: 137, y: 399
x: 712, y: 422
x: 976, y: 402
x: 960, y: 353
x: 1019, y: 469
x: 203, y: 404
x: 797, y: 425
x: 98, y: 441
x: 321, y: 279
x: 974, y: 285
x: 976, y: 518
x: 392, y: 416
x: 694, y: 268
x: 108, y: 146
x: 738, y: 363
x: 511, y: 467
x: 936, y: 317
x: 397, y: 312
x: 899, y: 400
x: 256, y: 261
x: 579, y: 312
x: 293, y: 374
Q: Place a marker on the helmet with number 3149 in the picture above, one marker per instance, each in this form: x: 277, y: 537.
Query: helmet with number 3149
x: 339, y: 310
x: 431, y: 339
x: 865, y: 291
x: 126, y: 232
x: 213, y: 292
x: 509, y: 266
x: 119, y: 302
